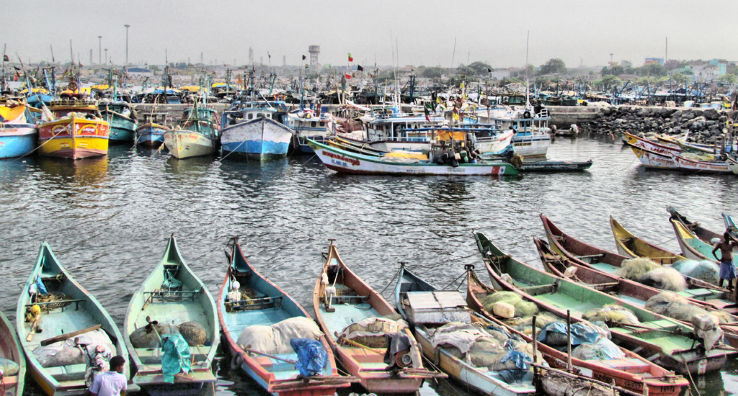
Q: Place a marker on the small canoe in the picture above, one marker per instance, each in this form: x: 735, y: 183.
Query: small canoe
x: 669, y: 343
x: 266, y: 305
x: 610, y: 262
x: 353, y: 302
x: 67, y: 310
x: 10, y: 349
x: 555, y: 166
x: 442, y: 306
x: 694, y: 227
x: 172, y: 295
x: 632, y: 246
x: 695, y: 248
x: 625, y: 289
x: 632, y: 373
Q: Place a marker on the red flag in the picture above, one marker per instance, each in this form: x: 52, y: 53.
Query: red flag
x: 350, y: 58
x: 348, y: 76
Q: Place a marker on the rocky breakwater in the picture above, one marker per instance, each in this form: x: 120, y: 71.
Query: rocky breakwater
x: 703, y: 125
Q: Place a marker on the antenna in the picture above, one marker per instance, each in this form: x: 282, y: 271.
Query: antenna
x: 453, y: 54
x: 527, y: 81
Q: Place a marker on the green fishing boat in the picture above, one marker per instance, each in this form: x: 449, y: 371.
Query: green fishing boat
x: 671, y: 344
x: 57, y: 319
x: 12, y: 379
x: 172, y: 301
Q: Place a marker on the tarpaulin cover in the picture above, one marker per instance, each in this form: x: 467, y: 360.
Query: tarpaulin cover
x: 175, y: 356
x: 580, y: 332
x: 522, y: 362
x: 311, y: 356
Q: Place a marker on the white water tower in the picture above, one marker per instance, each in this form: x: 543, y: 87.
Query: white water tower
x: 314, y: 51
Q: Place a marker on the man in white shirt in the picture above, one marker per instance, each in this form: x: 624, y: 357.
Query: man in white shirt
x: 111, y: 383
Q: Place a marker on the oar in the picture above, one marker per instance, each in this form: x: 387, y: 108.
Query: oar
x: 34, y: 325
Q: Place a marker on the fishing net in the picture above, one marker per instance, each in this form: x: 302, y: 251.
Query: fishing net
x: 504, y: 296
x: 636, y: 268
x: 194, y: 333
x: 554, y: 334
x: 146, y: 337
x: 602, y: 349
x: 704, y: 270
x: 664, y: 278
x: 612, y: 313
x: 276, y: 338
x: 52, y: 300
x: 370, y: 331
x: 66, y: 352
x: 557, y: 383
x: 525, y: 309
x: 679, y: 308
x: 524, y: 324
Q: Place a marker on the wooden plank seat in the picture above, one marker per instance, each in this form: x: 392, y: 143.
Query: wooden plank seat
x: 69, y: 372
x: 153, y: 355
x: 49, y: 305
x: 254, y: 303
x: 349, y: 299
x: 605, y: 286
x: 164, y: 295
x: 540, y: 289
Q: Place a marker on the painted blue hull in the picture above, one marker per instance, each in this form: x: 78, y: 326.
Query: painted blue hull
x: 258, y: 148
x: 303, y: 147
x: 120, y: 135
x: 152, y: 137
x: 17, y: 144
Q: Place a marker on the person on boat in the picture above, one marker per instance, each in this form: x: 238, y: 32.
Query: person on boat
x: 727, y: 270
x: 112, y: 382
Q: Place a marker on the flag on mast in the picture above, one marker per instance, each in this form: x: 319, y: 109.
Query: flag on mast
x: 350, y: 58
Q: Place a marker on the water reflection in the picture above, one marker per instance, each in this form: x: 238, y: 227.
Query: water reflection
x: 13, y: 168
x: 83, y: 172
x: 189, y: 166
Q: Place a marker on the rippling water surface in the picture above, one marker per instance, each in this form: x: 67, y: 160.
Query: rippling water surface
x: 108, y: 220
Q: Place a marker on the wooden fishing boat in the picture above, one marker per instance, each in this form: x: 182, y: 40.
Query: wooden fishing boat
x: 730, y: 224
x: 267, y: 305
x: 669, y: 343
x: 198, y: 135
x: 77, y: 131
x: 345, y: 161
x: 122, y: 120
x: 694, y: 227
x: 625, y: 289
x: 423, y: 306
x: 259, y: 138
x: 555, y: 166
x: 353, y: 302
x: 10, y: 349
x: 651, y: 154
x: 151, y: 132
x: 695, y: 248
x: 693, y: 163
x: 632, y: 373
x: 17, y: 135
x: 67, y: 311
x: 610, y: 262
x: 172, y: 294
x: 632, y: 246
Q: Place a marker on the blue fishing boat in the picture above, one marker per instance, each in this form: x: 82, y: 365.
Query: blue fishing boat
x: 122, y: 120
x: 248, y: 299
x: 17, y: 135
x: 260, y: 138
x: 151, y: 132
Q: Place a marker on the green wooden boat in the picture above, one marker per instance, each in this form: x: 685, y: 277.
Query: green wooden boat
x: 11, y: 385
x: 671, y: 344
x: 73, y: 312
x: 172, y: 294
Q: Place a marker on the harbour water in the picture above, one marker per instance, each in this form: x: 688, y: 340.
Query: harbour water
x: 108, y: 220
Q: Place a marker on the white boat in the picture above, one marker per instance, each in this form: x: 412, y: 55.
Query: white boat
x: 401, y: 132
x: 308, y: 124
x: 259, y: 138
x: 197, y: 136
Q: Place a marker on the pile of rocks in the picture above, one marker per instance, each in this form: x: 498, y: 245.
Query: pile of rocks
x: 704, y: 125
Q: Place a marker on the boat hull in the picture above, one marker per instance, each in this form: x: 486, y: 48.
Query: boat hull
x: 74, y: 137
x: 17, y: 140
x: 150, y: 135
x: 347, y: 162
x: 186, y: 144
x: 260, y: 139
x: 122, y: 133
x: 531, y: 145
x: 690, y: 165
x: 12, y: 385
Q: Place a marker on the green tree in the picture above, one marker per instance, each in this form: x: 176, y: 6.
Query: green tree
x: 553, y: 66
x: 679, y: 78
x: 431, y: 72
x: 609, y: 81
x: 479, y: 68
x: 728, y: 79
x: 651, y: 69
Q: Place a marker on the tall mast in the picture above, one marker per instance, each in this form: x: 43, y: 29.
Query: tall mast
x: 527, y: 81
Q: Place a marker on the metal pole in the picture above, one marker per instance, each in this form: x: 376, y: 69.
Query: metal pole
x: 99, y: 50
x: 568, y: 340
x: 127, y: 26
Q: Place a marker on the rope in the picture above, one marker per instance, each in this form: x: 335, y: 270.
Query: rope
x: 43, y: 144
x: 454, y: 281
x: 691, y: 380
x: 391, y: 280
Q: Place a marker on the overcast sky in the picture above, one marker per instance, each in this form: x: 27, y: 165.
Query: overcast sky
x: 577, y: 31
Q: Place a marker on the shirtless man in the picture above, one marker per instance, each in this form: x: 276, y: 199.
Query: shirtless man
x: 727, y: 270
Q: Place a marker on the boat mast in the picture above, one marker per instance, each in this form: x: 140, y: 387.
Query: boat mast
x: 527, y: 79
x: 4, y: 83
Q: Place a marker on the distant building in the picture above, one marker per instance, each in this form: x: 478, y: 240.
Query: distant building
x: 314, y: 51
x: 140, y: 71
x: 649, y: 61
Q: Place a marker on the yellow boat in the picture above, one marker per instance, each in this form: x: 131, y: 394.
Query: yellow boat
x: 77, y: 131
x: 631, y: 246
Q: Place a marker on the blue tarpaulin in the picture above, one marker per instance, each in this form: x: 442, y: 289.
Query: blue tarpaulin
x: 580, y: 332
x: 311, y: 356
x: 175, y: 356
x: 522, y: 362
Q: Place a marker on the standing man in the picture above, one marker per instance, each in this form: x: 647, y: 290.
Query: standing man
x: 727, y: 270
x: 111, y: 383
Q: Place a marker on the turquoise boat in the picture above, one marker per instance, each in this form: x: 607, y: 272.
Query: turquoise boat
x: 426, y: 307
x: 10, y: 349
x: 68, y: 312
x: 172, y: 295
x: 695, y: 248
x: 122, y: 120
x: 669, y: 343
x: 266, y: 305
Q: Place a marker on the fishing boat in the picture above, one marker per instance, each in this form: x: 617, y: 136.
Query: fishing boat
x: 344, y: 161
x: 151, y: 132
x: 309, y: 125
x: 629, y: 290
x: 265, y: 305
x: 632, y: 373
x: 197, y: 135
x: 172, y: 295
x: 667, y: 342
x: 77, y: 130
x: 555, y: 166
x: 694, y: 227
x: 730, y: 224
x: 259, y: 138
x: 390, y: 130
x: 354, y: 303
x: 122, y: 120
x: 17, y: 135
x: 632, y: 246
x: 56, y: 314
x: 693, y: 163
x: 426, y: 308
x: 11, y: 383
x: 694, y: 248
